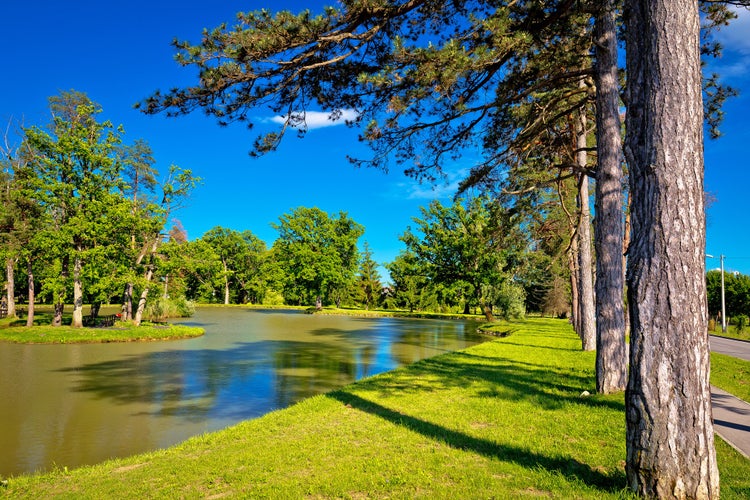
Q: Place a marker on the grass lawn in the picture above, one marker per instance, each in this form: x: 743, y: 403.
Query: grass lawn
x: 121, y: 332
x: 731, y: 374
x: 503, y: 419
x: 15, y: 330
x: 732, y: 333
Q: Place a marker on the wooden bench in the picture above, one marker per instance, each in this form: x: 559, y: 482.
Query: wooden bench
x: 100, y: 321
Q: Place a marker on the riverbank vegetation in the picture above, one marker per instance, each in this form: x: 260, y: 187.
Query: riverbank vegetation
x: 119, y: 332
x: 114, y: 330
x: 502, y: 419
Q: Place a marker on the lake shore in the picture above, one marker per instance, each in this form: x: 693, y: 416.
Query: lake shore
x: 121, y: 332
x: 505, y: 418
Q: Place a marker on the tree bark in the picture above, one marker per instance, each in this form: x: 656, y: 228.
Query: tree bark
x: 585, y: 276
x: 226, y: 283
x: 138, y: 317
x: 575, y: 310
x: 32, y: 294
x: 127, y: 302
x: 60, y: 298
x: 670, y: 438
x: 11, y: 295
x: 77, y: 321
x: 611, y: 368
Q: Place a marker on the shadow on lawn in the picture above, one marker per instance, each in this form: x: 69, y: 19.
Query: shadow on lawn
x: 551, y: 387
x: 568, y: 467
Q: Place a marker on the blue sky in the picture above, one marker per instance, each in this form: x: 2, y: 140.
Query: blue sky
x: 119, y: 52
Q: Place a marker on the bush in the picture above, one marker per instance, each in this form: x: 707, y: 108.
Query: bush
x: 511, y: 301
x: 163, y: 308
x: 741, y: 321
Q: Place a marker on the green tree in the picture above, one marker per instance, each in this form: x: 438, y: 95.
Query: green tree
x: 241, y: 255
x: 175, y: 189
x: 368, y: 279
x: 78, y: 179
x: 463, y: 248
x: 317, y: 253
x: 409, y: 280
x: 193, y: 269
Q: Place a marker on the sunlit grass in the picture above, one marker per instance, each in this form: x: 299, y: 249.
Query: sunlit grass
x: 503, y: 419
x: 15, y: 330
x: 731, y: 374
x: 121, y: 332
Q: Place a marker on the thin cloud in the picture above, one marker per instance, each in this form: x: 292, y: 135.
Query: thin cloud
x: 318, y: 119
x: 439, y: 191
x: 736, y: 36
x: 735, y: 40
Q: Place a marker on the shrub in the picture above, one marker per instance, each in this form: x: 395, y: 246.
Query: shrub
x: 741, y: 321
x: 163, y: 308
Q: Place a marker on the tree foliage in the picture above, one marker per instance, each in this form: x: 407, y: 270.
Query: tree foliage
x: 465, y: 249
x: 319, y: 254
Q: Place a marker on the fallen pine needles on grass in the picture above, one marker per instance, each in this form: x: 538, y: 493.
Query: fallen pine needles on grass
x: 503, y: 419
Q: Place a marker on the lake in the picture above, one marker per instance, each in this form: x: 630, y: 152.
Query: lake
x: 70, y: 405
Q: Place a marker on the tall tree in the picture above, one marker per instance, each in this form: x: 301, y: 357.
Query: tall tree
x: 409, y: 280
x: 175, y: 189
x: 78, y: 176
x: 368, y: 279
x: 670, y: 438
x: 463, y: 246
x: 611, y: 360
x: 318, y: 254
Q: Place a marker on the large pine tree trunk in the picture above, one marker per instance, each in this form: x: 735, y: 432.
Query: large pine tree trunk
x: 585, y: 273
x: 575, y: 310
x: 670, y: 438
x: 611, y: 368
x: 11, y: 280
x: 32, y: 294
x: 77, y: 321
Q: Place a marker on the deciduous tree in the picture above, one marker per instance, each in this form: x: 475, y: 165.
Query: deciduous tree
x: 318, y: 254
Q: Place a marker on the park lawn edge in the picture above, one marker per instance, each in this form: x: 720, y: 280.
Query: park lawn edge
x: 121, y: 332
x: 502, y: 419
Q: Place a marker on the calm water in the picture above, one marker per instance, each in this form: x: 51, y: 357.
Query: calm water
x: 70, y: 405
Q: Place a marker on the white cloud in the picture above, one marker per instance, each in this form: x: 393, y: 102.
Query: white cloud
x: 736, y: 36
x: 318, y: 119
x: 735, y: 40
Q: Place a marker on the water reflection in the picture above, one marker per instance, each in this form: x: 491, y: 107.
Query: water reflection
x: 79, y: 404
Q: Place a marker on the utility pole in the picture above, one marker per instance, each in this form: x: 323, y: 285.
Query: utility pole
x: 723, y: 308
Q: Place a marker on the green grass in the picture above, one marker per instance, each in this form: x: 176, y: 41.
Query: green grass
x: 121, y: 332
x: 15, y: 330
x: 732, y: 332
x: 731, y: 374
x: 503, y: 419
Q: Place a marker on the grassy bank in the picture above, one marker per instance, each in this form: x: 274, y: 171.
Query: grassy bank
x: 15, y: 330
x: 504, y: 419
x: 731, y: 374
x: 121, y: 332
x: 732, y: 333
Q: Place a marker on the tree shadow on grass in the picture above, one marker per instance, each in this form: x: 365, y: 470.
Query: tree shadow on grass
x: 566, y: 466
x: 550, y: 387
